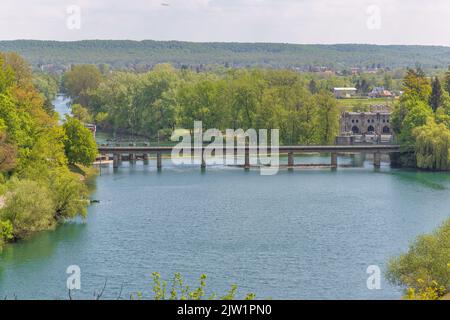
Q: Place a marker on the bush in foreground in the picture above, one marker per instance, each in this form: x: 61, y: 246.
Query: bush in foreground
x: 424, y: 271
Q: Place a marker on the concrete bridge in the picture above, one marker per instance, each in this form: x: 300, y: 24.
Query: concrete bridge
x: 132, y: 152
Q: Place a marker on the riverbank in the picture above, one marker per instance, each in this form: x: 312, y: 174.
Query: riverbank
x: 86, y: 176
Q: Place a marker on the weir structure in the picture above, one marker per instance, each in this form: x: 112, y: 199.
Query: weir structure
x: 118, y: 153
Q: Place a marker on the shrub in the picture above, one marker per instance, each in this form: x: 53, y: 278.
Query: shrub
x: 29, y: 208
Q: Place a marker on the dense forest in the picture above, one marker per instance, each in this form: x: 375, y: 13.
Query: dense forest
x: 144, y: 54
x: 43, y: 165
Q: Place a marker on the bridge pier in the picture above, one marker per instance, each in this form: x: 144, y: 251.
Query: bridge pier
x: 291, y: 161
x: 377, y: 160
x: 334, y: 160
x: 145, y: 158
x: 203, y: 163
x: 158, y: 161
x: 131, y: 157
x: 247, y: 159
x: 115, y: 160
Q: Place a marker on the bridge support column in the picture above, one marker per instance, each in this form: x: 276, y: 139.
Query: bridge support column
x: 158, y: 161
x: 334, y: 160
x: 247, y: 159
x: 145, y: 158
x: 115, y: 160
x: 291, y: 160
x: 131, y: 157
x: 377, y: 160
x: 203, y: 163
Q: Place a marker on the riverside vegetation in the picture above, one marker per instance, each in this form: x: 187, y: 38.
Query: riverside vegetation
x: 155, y: 103
x: 43, y: 165
x: 424, y: 271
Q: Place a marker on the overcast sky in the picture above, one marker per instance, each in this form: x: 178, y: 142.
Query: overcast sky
x: 293, y: 21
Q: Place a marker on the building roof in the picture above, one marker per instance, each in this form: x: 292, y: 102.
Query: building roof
x: 352, y: 113
x: 345, y: 89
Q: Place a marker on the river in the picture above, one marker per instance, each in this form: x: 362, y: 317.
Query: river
x: 306, y: 234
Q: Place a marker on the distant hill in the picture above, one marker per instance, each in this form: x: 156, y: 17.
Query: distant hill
x: 125, y: 53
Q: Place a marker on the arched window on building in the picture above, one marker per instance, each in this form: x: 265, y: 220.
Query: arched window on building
x: 386, y: 129
x: 371, y: 129
x: 355, y: 130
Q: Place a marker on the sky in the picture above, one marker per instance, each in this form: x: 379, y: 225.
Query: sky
x: 424, y: 22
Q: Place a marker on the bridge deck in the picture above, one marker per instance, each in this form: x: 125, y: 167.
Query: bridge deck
x: 282, y: 149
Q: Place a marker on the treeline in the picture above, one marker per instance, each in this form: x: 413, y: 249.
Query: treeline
x: 39, y: 186
x: 141, y: 55
x: 157, y: 102
x: 421, y: 121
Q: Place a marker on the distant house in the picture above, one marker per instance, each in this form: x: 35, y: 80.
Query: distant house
x: 340, y: 93
x: 380, y: 92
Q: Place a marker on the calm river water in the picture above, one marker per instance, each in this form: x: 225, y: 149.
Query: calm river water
x: 305, y: 234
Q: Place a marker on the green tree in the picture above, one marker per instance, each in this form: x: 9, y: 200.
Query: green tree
x: 327, y: 118
x: 80, y: 145
x: 80, y: 81
x: 447, y: 80
x: 6, y: 232
x: 29, y: 208
x: 432, y: 146
x: 427, y: 263
x: 416, y: 84
x: 313, y: 87
x: 81, y: 113
x: 436, y: 94
x: 7, y: 151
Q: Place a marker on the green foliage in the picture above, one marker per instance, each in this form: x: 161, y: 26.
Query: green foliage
x: 180, y: 291
x: 154, y: 103
x: 80, y: 81
x: 80, y: 145
x: 447, y: 80
x: 6, y: 232
x: 426, y: 264
x: 7, y: 151
x: 141, y: 55
x: 423, y: 135
x: 81, y: 113
x: 424, y: 291
x: 435, y: 100
x: 28, y: 207
x: 48, y: 86
x: 416, y: 84
x: 328, y: 118
x: 37, y: 188
x: 432, y: 146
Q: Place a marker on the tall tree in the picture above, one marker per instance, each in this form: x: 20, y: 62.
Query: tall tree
x: 435, y: 100
x: 415, y: 83
x: 80, y: 81
x: 313, y: 87
x: 447, y: 80
x: 328, y: 118
x: 80, y: 144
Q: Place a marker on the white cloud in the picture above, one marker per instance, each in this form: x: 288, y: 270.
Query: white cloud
x: 297, y: 21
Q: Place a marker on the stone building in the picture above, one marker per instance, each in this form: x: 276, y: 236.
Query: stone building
x: 365, y: 123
